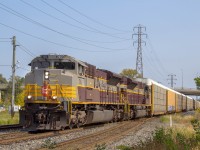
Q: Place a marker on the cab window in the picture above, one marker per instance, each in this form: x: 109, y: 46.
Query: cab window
x: 80, y: 69
x: 42, y: 64
x: 64, y: 65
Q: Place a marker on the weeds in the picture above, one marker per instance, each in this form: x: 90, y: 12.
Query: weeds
x: 100, y: 147
x: 48, y: 143
x: 123, y: 147
x: 185, y: 135
x: 5, y: 118
x: 164, y: 119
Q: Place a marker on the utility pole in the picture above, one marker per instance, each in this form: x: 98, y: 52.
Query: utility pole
x: 13, y: 76
x: 172, y: 79
x: 182, y: 77
x: 139, y: 41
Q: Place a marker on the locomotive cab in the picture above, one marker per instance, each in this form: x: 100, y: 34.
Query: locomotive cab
x: 48, y: 87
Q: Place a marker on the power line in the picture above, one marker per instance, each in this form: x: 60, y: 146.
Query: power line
x: 55, y: 17
x: 5, y: 65
x: 63, y: 34
x: 55, y: 43
x: 152, y: 64
x: 4, y: 38
x: 4, y: 41
x: 81, y: 22
x: 24, y: 68
x: 91, y: 19
x: 26, y: 49
x: 156, y: 56
x: 155, y: 63
x: 63, y: 21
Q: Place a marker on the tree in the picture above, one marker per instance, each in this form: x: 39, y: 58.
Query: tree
x: 19, y: 81
x: 197, y: 81
x: 20, y: 99
x: 131, y: 73
x: 3, y: 80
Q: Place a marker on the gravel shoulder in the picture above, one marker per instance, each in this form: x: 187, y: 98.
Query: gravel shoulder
x: 142, y: 133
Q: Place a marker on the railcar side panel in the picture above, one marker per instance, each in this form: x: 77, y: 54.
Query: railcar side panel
x: 159, y: 100
x: 178, y: 102
x: 171, y: 101
x: 184, y: 104
x: 189, y: 104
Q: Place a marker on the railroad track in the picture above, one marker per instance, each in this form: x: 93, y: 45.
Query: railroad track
x: 16, y: 137
x: 8, y: 127
x: 89, y: 141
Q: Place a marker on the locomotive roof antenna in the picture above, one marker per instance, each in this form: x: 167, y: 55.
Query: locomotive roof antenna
x: 139, y: 33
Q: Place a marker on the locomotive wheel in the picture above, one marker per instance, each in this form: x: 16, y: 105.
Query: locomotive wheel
x: 115, y: 119
x: 78, y: 125
x: 62, y: 128
x: 71, y: 125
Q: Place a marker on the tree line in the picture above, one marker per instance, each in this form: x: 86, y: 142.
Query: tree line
x: 6, y: 95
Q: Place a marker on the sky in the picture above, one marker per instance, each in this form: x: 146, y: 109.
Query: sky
x: 100, y: 33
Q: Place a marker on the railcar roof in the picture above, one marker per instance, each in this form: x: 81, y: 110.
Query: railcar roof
x: 57, y: 57
x: 150, y: 82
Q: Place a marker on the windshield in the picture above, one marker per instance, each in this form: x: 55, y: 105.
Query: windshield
x: 64, y: 65
x: 42, y: 64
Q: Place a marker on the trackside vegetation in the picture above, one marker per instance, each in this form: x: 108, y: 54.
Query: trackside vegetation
x: 183, y: 135
x: 5, y: 118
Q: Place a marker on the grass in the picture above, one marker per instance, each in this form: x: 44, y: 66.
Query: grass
x: 5, y: 118
x: 171, y: 139
x: 123, y: 147
x: 183, y: 135
x: 49, y: 144
x: 164, y: 119
x: 178, y: 119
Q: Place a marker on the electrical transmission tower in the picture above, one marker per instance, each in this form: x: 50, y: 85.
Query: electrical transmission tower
x: 172, y: 79
x: 139, y: 41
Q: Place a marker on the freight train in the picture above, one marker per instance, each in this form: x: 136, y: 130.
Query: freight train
x: 61, y: 91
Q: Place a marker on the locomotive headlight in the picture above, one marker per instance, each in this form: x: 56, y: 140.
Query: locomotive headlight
x: 29, y: 96
x: 46, y: 75
x: 54, y: 97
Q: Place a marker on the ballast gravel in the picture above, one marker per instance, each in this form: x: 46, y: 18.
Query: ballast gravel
x: 135, y: 137
x: 143, y: 133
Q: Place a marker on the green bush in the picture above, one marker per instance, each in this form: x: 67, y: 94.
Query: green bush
x: 123, y: 147
x: 48, y: 143
x: 6, y: 119
x: 164, y: 119
x: 171, y: 139
x: 100, y: 146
